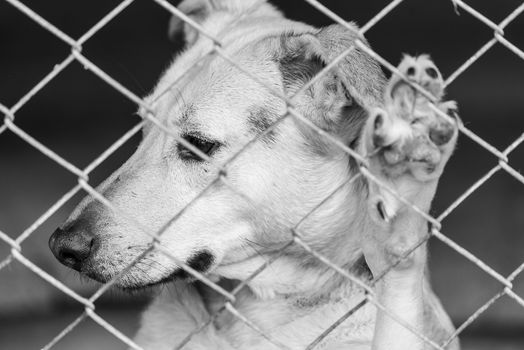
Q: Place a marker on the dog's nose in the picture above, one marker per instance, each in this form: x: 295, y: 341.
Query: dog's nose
x: 72, y: 247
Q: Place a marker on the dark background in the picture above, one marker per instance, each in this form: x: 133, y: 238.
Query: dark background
x: 78, y: 116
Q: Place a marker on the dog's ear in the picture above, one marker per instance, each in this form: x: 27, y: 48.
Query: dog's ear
x: 359, y: 72
x: 343, y: 94
x: 200, y: 10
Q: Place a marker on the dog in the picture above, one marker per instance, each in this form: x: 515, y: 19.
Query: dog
x: 244, y: 219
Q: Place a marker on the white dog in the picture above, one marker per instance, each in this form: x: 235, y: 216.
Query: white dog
x: 362, y: 228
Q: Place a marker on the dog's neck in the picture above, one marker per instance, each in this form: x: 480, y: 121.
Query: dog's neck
x: 295, y: 271
x: 295, y: 298
x: 287, y: 277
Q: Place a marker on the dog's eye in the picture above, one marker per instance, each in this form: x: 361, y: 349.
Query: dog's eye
x: 205, y: 146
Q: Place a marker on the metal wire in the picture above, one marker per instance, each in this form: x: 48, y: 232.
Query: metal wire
x: 295, y: 238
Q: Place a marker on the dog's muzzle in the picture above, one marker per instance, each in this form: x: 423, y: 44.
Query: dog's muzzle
x: 72, y: 245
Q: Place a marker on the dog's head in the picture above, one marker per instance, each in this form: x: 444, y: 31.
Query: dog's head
x: 218, y: 109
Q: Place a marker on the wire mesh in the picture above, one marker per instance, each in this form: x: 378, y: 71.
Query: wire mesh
x: 77, y: 54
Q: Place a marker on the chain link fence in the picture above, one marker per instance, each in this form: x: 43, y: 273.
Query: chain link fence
x: 78, y: 55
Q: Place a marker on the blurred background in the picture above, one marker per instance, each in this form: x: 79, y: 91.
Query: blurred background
x: 78, y: 116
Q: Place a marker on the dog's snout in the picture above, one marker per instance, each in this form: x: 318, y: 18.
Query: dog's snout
x: 71, y: 246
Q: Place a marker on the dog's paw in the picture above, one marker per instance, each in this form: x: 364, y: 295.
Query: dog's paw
x: 408, y: 138
x: 406, y: 144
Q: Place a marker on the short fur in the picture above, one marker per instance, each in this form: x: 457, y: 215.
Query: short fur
x: 362, y: 228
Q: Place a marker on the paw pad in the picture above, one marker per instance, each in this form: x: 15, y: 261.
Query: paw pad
x: 408, y: 136
x: 420, y: 70
x: 432, y: 72
x: 441, y: 134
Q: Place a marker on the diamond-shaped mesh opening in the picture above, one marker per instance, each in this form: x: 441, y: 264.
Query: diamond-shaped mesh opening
x: 37, y: 51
